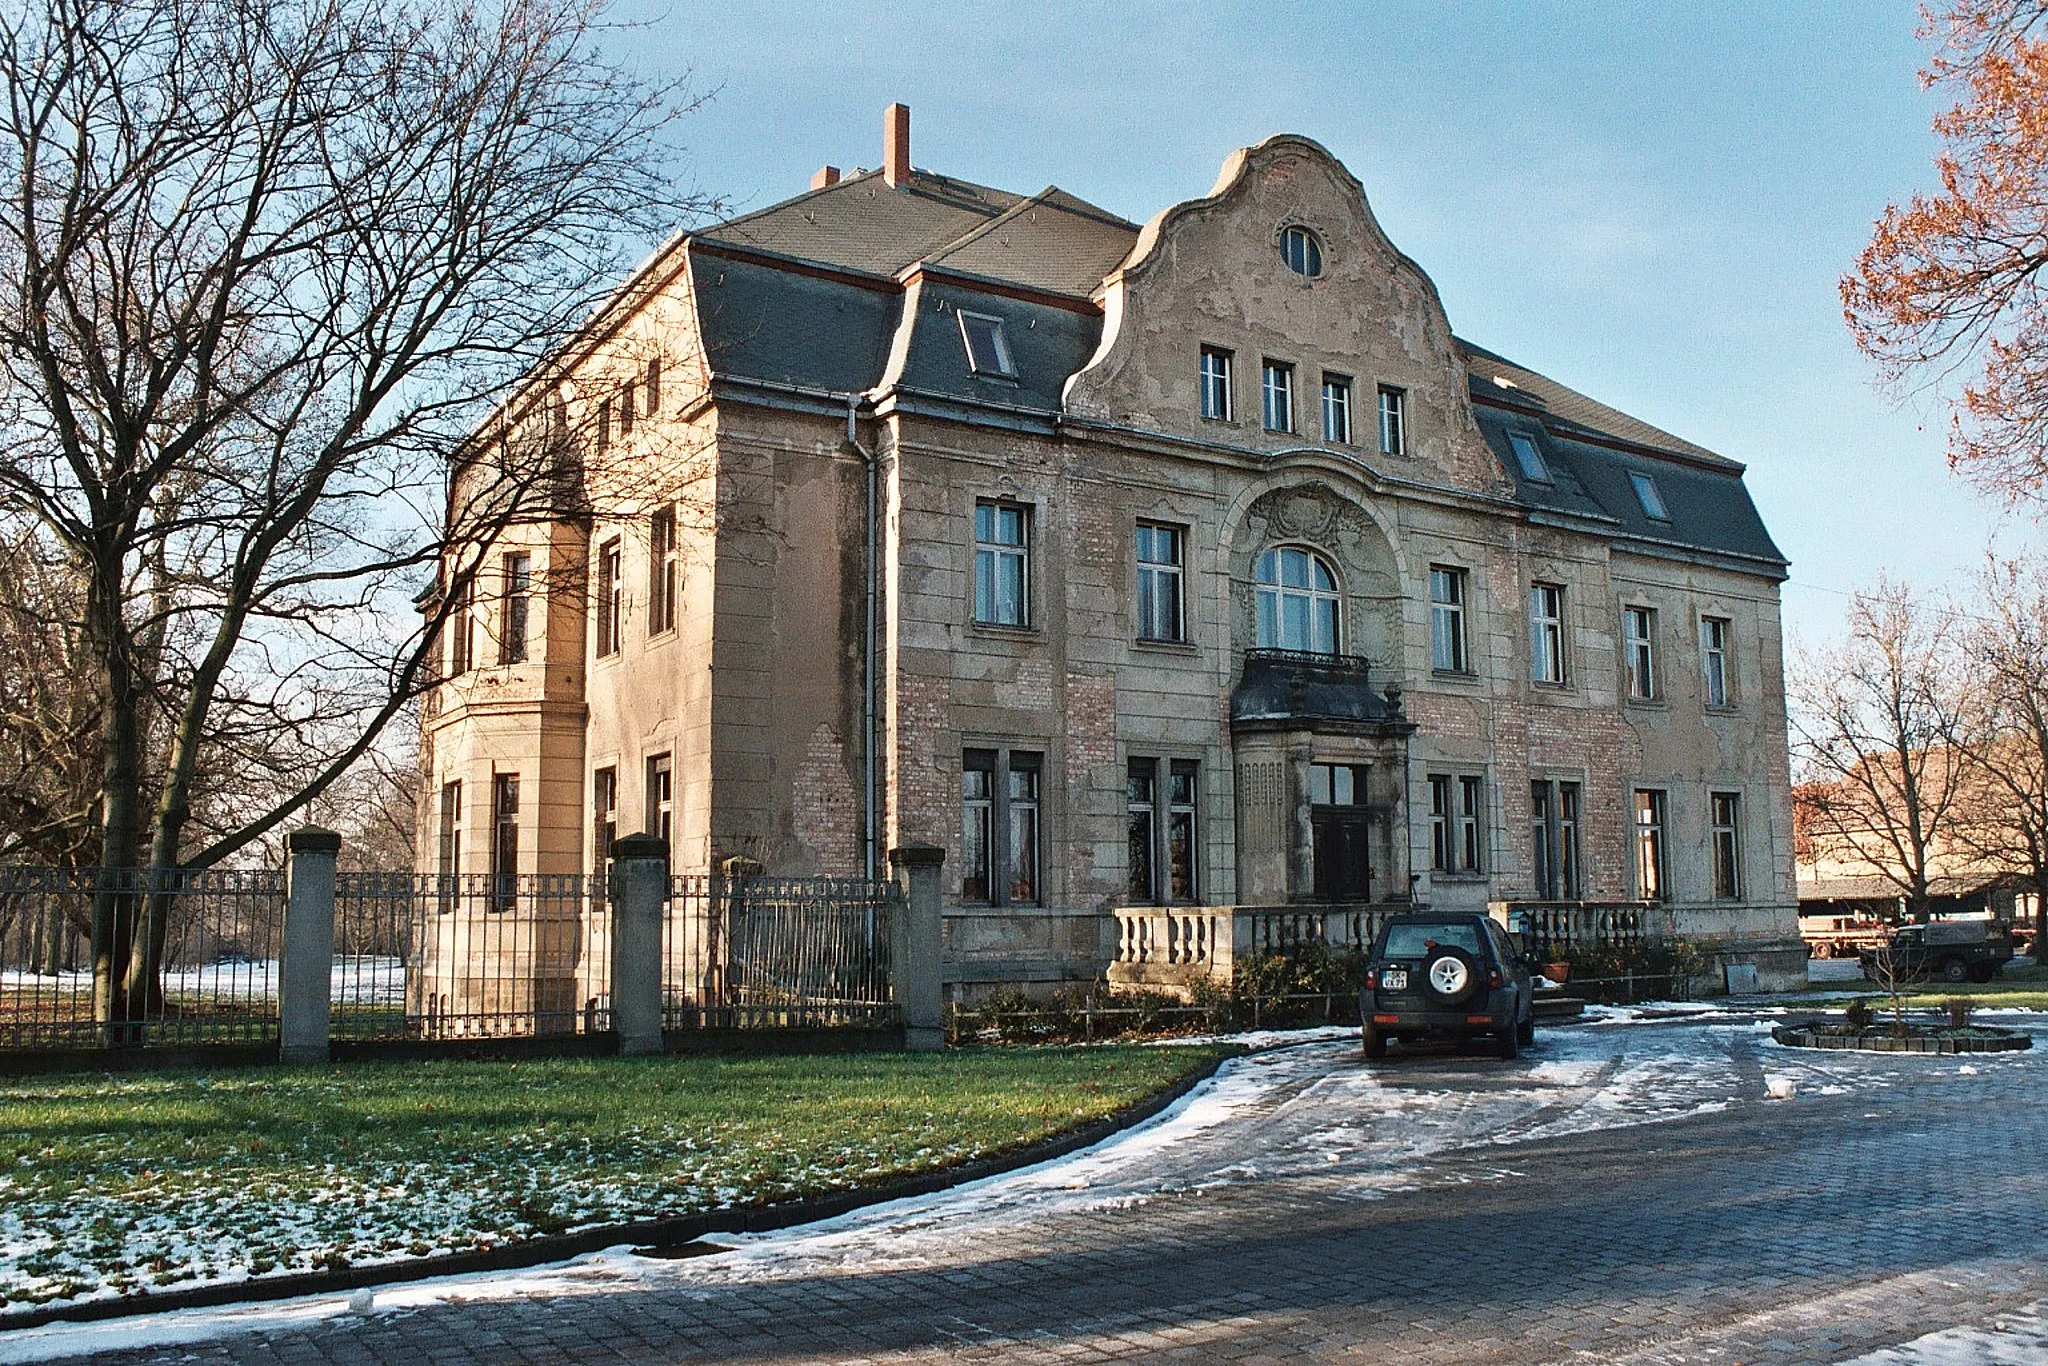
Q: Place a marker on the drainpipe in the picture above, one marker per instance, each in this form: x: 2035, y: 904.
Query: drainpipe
x: 870, y: 702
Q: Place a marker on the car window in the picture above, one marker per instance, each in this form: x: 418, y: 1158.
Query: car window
x: 1412, y: 941
x: 1502, y: 946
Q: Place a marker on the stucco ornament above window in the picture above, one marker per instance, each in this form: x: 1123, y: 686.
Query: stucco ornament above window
x: 1302, y: 250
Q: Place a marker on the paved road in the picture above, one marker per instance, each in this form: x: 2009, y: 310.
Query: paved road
x: 1444, y: 1209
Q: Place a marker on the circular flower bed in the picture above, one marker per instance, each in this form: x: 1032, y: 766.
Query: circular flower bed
x: 1918, y: 1038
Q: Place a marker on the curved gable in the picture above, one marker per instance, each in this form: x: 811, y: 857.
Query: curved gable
x: 1209, y: 272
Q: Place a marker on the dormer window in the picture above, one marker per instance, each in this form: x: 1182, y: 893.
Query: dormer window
x: 988, y: 350
x: 1650, y: 496
x: 1528, y: 457
x: 1302, y: 252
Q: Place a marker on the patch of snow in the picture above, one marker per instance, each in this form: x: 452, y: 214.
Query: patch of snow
x: 2016, y: 1340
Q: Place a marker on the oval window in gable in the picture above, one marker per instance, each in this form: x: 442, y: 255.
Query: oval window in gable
x: 1302, y: 251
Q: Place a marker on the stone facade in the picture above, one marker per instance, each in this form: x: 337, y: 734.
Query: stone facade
x: 825, y: 347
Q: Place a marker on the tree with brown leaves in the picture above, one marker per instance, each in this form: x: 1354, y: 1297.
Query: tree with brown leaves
x: 1950, y: 287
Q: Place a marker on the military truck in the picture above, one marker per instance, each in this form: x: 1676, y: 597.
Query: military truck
x: 1952, y: 950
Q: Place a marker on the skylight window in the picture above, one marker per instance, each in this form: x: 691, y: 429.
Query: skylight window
x: 1528, y: 457
x: 1649, y: 496
x: 988, y: 350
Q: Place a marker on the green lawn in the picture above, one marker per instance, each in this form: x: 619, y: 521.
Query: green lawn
x: 114, y: 1184
x: 2019, y: 988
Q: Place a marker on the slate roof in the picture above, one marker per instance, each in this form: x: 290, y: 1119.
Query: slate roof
x: 809, y: 293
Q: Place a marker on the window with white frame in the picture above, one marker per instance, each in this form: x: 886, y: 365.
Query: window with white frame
x: 604, y: 816
x: 1337, y: 409
x: 988, y: 348
x: 1302, y: 251
x: 1297, y: 602
x: 1546, y: 633
x: 1216, y: 401
x: 1457, y: 824
x: 1160, y: 606
x: 1714, y: 659
x: 504, y: 842
x: 449, y: 860
x: 1554, y: 838
x: 1726, y: 834
x: 1447, y: 620
x: 664, y: 571
x: 1393, y: 420
x: 1002, y: 564
x: 1639, y: 651
x: 1277, y: 388
x: 460, y: 629
x: 1161, y: 830
x: 661, y: 797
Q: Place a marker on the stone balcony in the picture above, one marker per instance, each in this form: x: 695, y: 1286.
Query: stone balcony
x: 1287, y: 689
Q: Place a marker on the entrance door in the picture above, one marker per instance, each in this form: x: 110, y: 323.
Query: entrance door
x: 1343, y: 862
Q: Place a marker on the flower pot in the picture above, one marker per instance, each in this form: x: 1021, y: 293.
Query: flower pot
x: 1559, y: 973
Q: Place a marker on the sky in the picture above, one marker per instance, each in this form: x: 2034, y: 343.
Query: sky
x: 1650, y: 202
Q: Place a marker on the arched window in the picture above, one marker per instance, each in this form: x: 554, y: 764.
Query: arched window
x: 1297, y: 601
x: 1302, y: 252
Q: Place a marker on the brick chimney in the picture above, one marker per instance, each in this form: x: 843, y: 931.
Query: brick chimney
x: 896, y: 144
x: 826, y: 177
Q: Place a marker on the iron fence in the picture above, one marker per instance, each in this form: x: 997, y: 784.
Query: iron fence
x: 762, y: 952
x: 433, y: 957
x: 214, y: 937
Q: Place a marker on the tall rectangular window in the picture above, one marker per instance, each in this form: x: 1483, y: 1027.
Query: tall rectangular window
x: 1337, y: 409
x: 999, y: 826
x: 1159, y: 583
x: 604, y: 817
x: 1554, y: 839
x: 1278, y: 392
x: 1393, y: 420
x: 1568, y: 841
x: 1727, y: 837
x: 1638, y: 649
x: 628, y: 406
x: 1653, y: 867
x: 1471, y: 824
x: 1546, y: 633
x: 504, y: 841
x: 663, y: 571
x: 610, y: 599
x: 604, y: 425
x: 1002, y: 564
x: 1141, y: 806
x: 449, y: 860
x: 1714, y: 659
x: 654, y: 387
x: 518, y: 579
x: 1216, y: 402
x: 1447, y: 620
x: 1181, y: 883
x: 459, y: 628
x: 1442, y: 832
x: 661, y: 797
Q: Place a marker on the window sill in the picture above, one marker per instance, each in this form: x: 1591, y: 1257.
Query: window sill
x: 1646, y: 703
x: 1220, y: 421
x: 603, y: 661
x: 1730, y: 710
x: 1167, y: 647
x: 1552, y: 689
x: 1461, y: 879
x: 1465, y: 676
x: 989, y: 630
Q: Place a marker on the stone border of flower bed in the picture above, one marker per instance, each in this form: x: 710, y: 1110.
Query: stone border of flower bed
x: 1807, y: 1036
x: 646, y: 1234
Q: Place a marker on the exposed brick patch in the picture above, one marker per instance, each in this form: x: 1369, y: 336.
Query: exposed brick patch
x: 825, y: 806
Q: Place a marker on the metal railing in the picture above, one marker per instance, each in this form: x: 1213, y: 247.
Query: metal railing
x: 755, y: 952
x: 214, y: 936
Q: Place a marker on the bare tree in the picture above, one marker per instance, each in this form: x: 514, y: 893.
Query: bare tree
x: 272, y: 271
x: 2004, y: 816
x: 1877, y: 727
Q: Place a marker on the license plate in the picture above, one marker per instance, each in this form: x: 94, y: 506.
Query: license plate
x: 1396, y: 979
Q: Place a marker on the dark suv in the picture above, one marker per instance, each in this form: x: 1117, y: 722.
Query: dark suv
x: 1446, y: 975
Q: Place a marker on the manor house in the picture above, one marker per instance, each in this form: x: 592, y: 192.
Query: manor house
x: 1194, y: 563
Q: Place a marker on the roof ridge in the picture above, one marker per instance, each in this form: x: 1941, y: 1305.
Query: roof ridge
x: 1052, y: 197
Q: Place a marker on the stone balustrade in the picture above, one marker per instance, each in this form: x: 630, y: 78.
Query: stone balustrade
x: 1174, y: 947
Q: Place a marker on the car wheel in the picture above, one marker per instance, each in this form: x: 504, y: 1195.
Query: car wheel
x: 1509, y: 1043
x: 1983, y: 972
x: 1954, y: 970
x: 1527, y: 1032
x: 1375, y: 1043
x: 1450, y: 976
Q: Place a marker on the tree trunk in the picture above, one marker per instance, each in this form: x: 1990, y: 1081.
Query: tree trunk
x: 114, y: 909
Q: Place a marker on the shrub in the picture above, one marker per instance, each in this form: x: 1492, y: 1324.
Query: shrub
x: 1625, y: 973
x: 1959, y: 1012
x: 1857, y: 1013
x: 1301, y: 982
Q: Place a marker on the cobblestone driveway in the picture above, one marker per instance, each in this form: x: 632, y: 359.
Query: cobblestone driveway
x: 1446, y: 1209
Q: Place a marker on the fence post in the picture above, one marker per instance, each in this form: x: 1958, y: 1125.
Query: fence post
x: 914, y: 968
x: 639, y: 886
x: 307, y: 979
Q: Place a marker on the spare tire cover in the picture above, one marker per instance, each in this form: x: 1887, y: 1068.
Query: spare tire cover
x: 1450, y: 975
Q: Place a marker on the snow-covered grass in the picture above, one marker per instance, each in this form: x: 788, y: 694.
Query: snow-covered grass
x: 119, y: 1184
